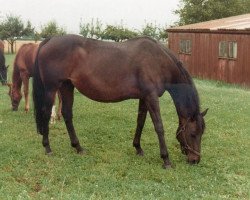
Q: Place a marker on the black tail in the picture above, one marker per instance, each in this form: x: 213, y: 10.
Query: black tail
x: 38, y: 93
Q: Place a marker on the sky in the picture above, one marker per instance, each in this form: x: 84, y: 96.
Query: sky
x: 69, y: 13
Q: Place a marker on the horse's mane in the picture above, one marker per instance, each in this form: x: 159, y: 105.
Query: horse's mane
x: 16, y: 72
x: 183, y: 91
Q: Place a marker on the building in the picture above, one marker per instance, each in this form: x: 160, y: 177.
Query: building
x: 217, y: 49
x: 17, y: 45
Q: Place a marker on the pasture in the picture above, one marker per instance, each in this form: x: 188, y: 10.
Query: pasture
x: 110, y: 169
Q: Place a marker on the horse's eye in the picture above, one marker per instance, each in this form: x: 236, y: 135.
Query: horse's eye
x: 193, y: 135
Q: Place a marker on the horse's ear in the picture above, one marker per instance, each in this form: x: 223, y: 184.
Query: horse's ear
x: 204, y: 112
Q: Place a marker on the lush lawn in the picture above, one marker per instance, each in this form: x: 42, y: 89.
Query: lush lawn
x: 110, y: 169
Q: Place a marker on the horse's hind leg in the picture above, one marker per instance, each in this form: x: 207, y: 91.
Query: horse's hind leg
x: 49, y: 101
x: 59, y: 111
x: 67, y: 94
x: 153, y: 107
x: 142, y: 113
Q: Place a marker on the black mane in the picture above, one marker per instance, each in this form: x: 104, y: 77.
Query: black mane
x: 183, y: 91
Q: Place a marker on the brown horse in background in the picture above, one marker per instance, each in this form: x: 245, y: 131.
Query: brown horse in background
x: 22, y: 71
x: 139, y: 68
x: 1, y: 46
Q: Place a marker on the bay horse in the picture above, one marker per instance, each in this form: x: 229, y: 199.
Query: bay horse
x: 3, y: 68
x: 22, y: 71
x: 139, y: 68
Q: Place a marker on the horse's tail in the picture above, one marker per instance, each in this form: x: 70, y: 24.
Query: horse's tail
x: 38, y: 93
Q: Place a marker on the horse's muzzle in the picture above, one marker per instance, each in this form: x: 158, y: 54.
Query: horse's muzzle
x: 14, y: 109
x: 193, y: 159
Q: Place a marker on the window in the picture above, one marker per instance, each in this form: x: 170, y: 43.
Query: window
x: 185, y: 46
x: 228, y: 49
x: 223, y: 49
x: 232, y: 49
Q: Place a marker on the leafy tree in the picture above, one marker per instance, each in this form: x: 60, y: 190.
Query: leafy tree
x: 154, y: 31
x: 51, y: 29
x: 29, y: 30
x: 117, y: 33
x: 194, y: 11
x: 12, y: 28
x: 150, y: 30
x: 91, y: 30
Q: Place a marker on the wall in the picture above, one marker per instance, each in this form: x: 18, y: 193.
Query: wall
x: 17, y: 45
x: 204, y: 61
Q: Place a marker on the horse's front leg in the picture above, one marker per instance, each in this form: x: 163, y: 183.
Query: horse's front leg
x: 142, y: 113
x: 25, y: 80
x: 152, y: 102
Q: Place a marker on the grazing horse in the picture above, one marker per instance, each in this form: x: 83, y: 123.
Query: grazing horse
x: 3, y: 69
x: 1, y: 46
x: 139, y: 68
x: 23, y: 70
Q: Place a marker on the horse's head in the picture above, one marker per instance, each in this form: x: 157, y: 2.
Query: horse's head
x: 189, y: 135
x: 15, y: 97
x: 3, y: 74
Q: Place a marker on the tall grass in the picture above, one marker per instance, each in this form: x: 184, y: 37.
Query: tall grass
x: 110, y: 169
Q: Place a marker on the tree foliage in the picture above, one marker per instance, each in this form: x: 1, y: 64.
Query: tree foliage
x: 154, y: 31
x: 194, y: 11
x: 13, y: 28
x: 52, y: 29
x: 118, y: 33
x: 92, y: 30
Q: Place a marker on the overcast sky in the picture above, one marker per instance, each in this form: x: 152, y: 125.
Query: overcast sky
x: 69, y: 13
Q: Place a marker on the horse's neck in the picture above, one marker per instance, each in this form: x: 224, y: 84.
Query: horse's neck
x: 185, y: 98
x: 16, y: 79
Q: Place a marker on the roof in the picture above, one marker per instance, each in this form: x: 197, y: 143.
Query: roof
x: 235, y: 23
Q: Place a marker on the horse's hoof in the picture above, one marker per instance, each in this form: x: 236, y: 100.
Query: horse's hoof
x: 166, y: 166
x: 49, y: 153
x: 80, y: 151
x: 140, y: 153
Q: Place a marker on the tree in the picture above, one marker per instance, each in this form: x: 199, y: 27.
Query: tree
x: 154, y: 31
x: 117, y: 33
x: 91, y: 30
x: 51, y: 29
x: 12, y: 28
x: 194, y: 11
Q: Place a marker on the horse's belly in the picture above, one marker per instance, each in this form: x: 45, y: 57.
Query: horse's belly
x: 104, y: 92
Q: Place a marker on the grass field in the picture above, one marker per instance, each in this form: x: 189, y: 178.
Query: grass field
x: 110, y: 169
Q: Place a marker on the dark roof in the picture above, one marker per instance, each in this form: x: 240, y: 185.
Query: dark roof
x: 235, y: 23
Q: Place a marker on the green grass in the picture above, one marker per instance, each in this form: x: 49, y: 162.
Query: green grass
x: 110, y: 169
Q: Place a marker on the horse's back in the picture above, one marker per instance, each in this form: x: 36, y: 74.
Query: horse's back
x: 25, y: 58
